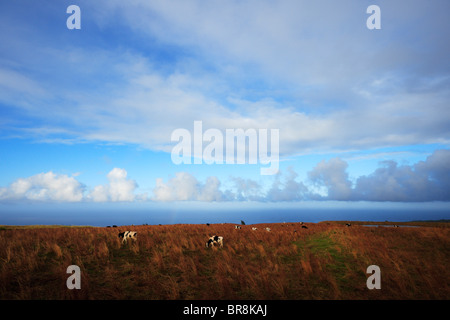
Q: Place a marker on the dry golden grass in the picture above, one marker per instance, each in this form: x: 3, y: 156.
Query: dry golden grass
x: 325, y: 261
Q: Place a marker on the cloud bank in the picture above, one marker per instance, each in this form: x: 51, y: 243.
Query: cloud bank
x: 44, y: 187
x: 51, y: 187
x: 427, y: 180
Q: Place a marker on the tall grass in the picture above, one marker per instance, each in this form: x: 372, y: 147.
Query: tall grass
x: 325, y: 261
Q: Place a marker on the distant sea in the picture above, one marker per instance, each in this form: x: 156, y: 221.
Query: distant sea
x: 95, y: 214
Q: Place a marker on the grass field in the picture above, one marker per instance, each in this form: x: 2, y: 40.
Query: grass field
x: 326, y: 261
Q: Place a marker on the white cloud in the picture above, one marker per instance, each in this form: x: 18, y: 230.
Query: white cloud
x: 13, y: 83
x: 246, y: 189
x: 51, y: 187
x: 333, y: 176
x: 185, y: 187
x: 289, y: 189
x: 44, y: 187
x: 119, y: 188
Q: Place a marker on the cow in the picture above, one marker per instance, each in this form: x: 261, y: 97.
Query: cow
x: 254, y: 228
x: 348, y: 224
x: 304, y: 227
x: 128, y: 235
x: 237, y: 227
x: 267, y: 229
x: 215, y: 240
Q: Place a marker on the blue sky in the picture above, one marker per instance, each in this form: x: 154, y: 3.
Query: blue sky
x: 87, y: 115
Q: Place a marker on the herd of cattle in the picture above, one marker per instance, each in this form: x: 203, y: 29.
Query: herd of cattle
x: 212, y: 241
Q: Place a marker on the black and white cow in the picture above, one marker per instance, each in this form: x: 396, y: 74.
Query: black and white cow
x: 215, y: 240
x: 348, y: 224
x: 237, y: 227
x: 128, y: 235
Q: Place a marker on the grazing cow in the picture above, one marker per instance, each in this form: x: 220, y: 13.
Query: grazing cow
x: 128, y: 235
x: 207, y: 224
x: 237, y: 227
x: 348, y: 224
x: 267, y: 229
x: 396, y: 226
x: 304, y: 227
x: 215, y: 240
x: 254, y: 228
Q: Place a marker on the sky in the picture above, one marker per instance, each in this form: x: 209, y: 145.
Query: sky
x: 87, y: 115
